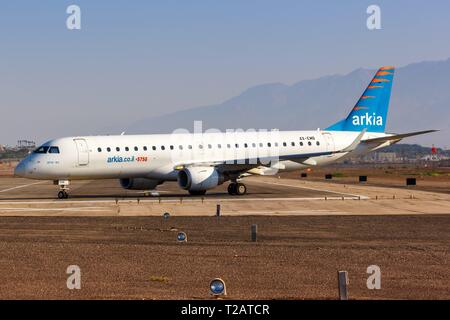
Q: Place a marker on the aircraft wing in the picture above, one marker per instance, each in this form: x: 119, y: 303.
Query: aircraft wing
x: 245, y: 164
x: 396, y: 137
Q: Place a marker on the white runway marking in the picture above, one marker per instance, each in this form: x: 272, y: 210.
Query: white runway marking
x: 22, y: 186
x: 90, y: 209
x: 315, y: 189
x: 153, y: 192
x: 287, y: 212
x: 177, y: 200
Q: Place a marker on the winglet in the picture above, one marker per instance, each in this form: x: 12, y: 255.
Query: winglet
x: 355, y: 143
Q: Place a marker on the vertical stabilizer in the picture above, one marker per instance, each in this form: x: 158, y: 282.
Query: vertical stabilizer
x: 370, y: 112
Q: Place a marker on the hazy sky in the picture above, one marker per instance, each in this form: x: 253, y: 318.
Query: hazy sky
x: 134, y: 59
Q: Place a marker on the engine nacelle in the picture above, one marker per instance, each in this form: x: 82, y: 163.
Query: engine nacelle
x: 199, y: 178
x: 139, y: 183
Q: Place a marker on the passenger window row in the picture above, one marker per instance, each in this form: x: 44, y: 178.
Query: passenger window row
x: 200, y: 146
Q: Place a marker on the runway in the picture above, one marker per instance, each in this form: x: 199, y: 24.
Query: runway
x: 266, y: 196
x: 22, y: 189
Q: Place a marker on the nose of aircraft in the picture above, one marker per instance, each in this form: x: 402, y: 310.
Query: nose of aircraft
x: 20, y: 169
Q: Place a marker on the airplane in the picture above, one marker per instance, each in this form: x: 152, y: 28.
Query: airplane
x: 202, y: 161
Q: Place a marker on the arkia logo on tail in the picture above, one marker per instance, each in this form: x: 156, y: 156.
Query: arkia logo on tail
x: 367, y: 120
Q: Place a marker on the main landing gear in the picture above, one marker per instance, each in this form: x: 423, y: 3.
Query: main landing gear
x: 237, y: 188
x: 63, y: 188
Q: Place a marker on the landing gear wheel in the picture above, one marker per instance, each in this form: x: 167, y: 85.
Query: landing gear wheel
x: 62, y: 195
x: 241, y: 189
x: 197, y: 192
x: 232, y: 189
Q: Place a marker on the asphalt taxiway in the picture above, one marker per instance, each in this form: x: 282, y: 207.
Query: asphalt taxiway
x: 266, y: 196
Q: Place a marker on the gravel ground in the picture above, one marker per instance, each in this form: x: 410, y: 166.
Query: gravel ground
x: 294, y: 257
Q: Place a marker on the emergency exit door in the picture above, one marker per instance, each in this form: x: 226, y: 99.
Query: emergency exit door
x: 329, y: 141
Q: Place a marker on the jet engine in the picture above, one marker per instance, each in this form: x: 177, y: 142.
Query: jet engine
x: 200, y: 178
x: 139, y: 183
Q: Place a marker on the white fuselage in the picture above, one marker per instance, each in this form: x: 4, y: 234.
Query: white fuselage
x: 157, y: 156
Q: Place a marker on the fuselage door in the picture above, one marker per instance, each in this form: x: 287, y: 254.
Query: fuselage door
x: 83, y: 152
x: 328, y: 141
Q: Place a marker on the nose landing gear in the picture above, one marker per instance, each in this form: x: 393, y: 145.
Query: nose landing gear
x: 63, y: 194
x: 237, y: 188
x: 63, y: 188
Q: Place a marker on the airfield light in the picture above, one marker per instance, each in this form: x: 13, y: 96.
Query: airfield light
x: 217, y: 287
x: 166, y: 215
x: 218, y: 210
x: 254, y: 232
x: 182, y: 237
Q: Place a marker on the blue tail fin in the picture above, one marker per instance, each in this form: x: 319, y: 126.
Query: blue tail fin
x: 370, y: 111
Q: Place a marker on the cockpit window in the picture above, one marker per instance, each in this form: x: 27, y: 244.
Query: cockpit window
x: 42, y: 149
x: 53, y: 150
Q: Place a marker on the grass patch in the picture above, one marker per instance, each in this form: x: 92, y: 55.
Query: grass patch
x: 338, y: 175
x: 433, y: 174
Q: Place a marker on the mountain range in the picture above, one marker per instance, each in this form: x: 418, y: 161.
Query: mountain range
x: 420, y: 100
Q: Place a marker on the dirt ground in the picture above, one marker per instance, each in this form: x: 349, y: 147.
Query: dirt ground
x: 429, y: 176
x: 7, y: 167
x: 294, y: 257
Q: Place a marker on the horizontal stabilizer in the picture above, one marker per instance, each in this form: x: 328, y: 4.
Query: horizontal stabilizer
x: 395, y: 137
